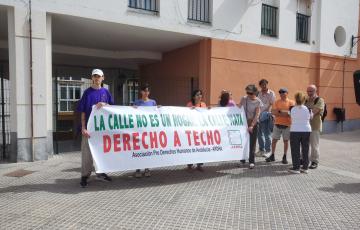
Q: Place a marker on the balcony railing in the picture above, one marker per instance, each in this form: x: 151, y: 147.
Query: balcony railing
x: 269, y: 21
x: 199, y: 10
x: 302, y: 27
x: 148, y: 5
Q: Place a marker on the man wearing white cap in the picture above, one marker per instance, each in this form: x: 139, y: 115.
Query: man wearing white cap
x: 99, y: 96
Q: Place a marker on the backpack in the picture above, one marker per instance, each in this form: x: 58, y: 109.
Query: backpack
x: 324, y: 114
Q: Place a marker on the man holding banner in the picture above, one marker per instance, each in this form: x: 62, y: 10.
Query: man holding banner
x: 99, y: 96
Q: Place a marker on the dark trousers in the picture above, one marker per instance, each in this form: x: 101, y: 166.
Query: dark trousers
x: 253, y: 137
x: 297, y: 140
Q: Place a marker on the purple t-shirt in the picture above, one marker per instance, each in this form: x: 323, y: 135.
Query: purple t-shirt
x: 91, y: 97
x: 140, y: 102
x: 231, y: 103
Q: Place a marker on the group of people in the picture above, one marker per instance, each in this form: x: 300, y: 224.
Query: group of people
x: 298, y: 121
x: 268, y: 120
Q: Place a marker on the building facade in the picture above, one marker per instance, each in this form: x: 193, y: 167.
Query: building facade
x: 48, y: 48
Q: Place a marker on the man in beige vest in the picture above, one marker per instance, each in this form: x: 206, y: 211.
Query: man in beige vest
x: 317, y: 107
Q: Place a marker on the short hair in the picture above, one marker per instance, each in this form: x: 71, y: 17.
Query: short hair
x: 300, y: 98
x: 263, y: 81
x: 145, y: 87
x: 251, y: 88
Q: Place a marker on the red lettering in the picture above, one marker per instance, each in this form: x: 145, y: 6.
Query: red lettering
x: 188, y: 133
x: 116, y: 142
x: 203, y: 142
x: 196, y: 138
x: 126, y: 142
x: 176, y: 139
x: 217, y: 137
x: 136, y: 141
x: 143, y: 136
x: 163, y: 139
x: 107, y: 143
x: 210, y: 138
x: 153, y: 140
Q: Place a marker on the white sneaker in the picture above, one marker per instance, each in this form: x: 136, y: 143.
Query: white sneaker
x: 266, y: 154
x: 259, y: 153
x: 251, y: 166
x: 294, y: 171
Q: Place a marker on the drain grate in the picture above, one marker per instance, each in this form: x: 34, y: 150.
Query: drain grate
x: 19, y: 173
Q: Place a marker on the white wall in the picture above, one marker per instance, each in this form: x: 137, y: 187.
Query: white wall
x: 238, y: 20
x: 335, y: 13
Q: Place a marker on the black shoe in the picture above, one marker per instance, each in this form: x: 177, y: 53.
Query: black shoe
x: 103, y: 177
x: 313, y: 165
x: 284, y: 160
x: 242, y: 161
x: 83, y: 182
x: 270, y: 158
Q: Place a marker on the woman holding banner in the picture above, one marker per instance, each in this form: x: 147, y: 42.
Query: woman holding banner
x: 144, y: 101
x: 196, y: 101
x: 251, y: 104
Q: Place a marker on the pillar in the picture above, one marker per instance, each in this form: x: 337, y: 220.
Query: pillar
x: 19, y: 68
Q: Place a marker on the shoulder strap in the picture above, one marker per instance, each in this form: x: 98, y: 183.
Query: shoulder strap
x: 316, y: 100
x: 246, y: 105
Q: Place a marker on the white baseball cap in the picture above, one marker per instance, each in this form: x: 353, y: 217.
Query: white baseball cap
x: 97, y: 72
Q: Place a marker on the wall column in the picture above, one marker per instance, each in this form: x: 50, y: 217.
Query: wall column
x: 19, y: 68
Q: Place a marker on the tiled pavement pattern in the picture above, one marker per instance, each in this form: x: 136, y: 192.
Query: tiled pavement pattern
x: 225, y: 196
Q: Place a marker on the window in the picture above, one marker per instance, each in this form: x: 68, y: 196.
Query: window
x: 149, y: 5
x: 68, y: 94
x: 132, y: 91
x: 199, y: 10
x: 269, y: 22
x: 302, y: 28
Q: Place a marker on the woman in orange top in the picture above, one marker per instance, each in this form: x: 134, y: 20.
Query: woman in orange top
x: 196, y: 101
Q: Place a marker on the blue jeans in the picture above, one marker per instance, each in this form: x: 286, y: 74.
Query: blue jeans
x: 264, y: 135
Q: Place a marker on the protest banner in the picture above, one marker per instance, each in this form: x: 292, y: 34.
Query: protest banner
x: 125, y: 138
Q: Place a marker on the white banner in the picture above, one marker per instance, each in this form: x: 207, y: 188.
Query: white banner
x: 126, y: 138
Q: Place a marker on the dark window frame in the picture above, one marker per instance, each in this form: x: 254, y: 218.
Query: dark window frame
x: 269, y: 20
x: 303, y: 28
x: 149, y: 5
x: 199, y: 11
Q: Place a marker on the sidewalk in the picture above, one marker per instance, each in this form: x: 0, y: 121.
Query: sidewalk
x: 224, y: 196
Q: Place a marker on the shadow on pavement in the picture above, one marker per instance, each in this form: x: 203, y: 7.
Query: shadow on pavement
x: 159, y: 177
x: 125, y: 181
x: 72, y: 170
x: 263, y: 169
x: 342, y: 187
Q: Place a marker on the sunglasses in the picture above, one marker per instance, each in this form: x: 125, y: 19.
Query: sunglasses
x: 281, y: 92
x: 249, y: 93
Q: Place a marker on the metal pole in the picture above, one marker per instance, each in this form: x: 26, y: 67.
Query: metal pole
x: 31, y: 88
x: 56, y: 112
x: 343, y: 92
x: 3, y: 114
